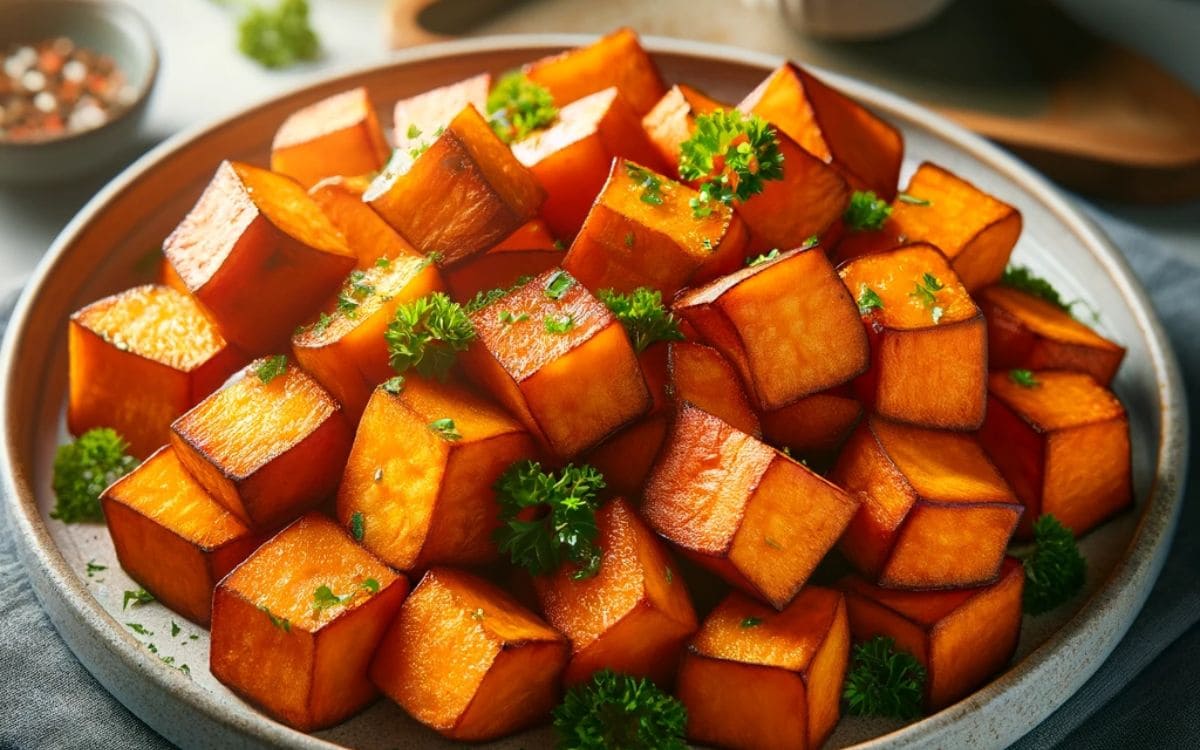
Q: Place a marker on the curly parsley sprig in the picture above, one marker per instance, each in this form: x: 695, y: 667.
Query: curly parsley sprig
x: 1054, y: 570
x: 427, y: 334
x: 563, y: 525
x: 83, y: 469
x: 619, y: 711
x: 643, y: 315
x: 883, y: 681
x: 867, y: 212
x: 275, y: 37
x: 732, y: 155
x: 517, y: 106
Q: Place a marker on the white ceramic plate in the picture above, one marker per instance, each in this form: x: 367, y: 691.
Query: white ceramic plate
x: 105, y: 247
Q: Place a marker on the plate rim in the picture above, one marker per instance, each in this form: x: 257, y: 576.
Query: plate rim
x: 62, y: 594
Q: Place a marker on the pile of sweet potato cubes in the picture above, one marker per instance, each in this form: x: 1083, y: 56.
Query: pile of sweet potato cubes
x: 883, y: 355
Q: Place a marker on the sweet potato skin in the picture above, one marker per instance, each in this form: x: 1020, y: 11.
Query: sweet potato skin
x: 339, y: 135
x: 617, y: 59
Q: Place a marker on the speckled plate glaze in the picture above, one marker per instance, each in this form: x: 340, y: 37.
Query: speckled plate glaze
x: 109, y: 245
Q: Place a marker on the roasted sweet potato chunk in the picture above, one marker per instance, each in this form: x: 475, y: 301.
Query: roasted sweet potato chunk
x: 465, y: 659
x: 139, y: 359
x: 641, y: 232
x: 529, y: 251
x: 1063, y: 444
x: 572, y: 157
x: 339, y: 135
x: 168, y: 276
x: 417, y: 118
x: 344, y: 347
x: 1032, y: 334
x: 367, y: 235
x: 787, y: 325
x: 756, y: 678
x: 962, y: 637
x: 614, y: 60
x: 295, y: 626
x: 699, y: 375
x: 421, y: 471
x: 830, y: 126
x: 934, y: 513
x: 259, y: 254
x: 928, y: 339
x: 742, y: 509
x: 266, y: 446
x: 458, y: 196
x: 815, y: 425
x: 559, y: 361
x: 171, y: 537
x: 673, y: 119
x: 633, y: 616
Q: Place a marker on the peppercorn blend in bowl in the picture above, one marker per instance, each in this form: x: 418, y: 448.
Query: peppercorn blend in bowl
x: 75, y: 78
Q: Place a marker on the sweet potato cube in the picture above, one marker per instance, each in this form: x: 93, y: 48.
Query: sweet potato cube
x: 1063, y: 445
x: 742, y: 509
x: 641, y: 232
x: 934, y: 514
x: 928, y: 339
x: 633, y: 616
x: 830, y: 126
x: 344, y: 347
x: 787, y: 325
x: 268, y: 451
x: 139, y: 359
x: 339, y: 135
x: 465, y: 659
x: 532, y: 235
x: 529, y: 251
x: 699, y: 375
x: 421, y: 486
x: 962, y: 637
x: 259, y: 254
x: 572, y: 157
x: 460, y: 195
x: 814, y: 425
x: 614, y: 60
x: 367, y: 235
x: 975, y: 230
x: 756, y: 678
x: 673, y: 119
x: 168, y: 276
x: 171, y: 537
x: 418, y: 117
x: 555, y: 356
x: 295, y: 626
x: 1032, y: 334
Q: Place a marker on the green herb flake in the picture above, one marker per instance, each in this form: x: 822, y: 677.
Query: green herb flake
x: 371, y: 586
x: 175, y: 629
x: 559, y: 283
x: 772, y: 543
x: 913, y: 200
x: 383, y: 262
x: 427, y: 334
x: 324, y: 598
x: 508, y: 318
x: 1024, y: 378
x: 270, y: 368
x: 280, y: 622
x: 558, y: 324
x: 763, y: 259
x: 82, y: 471
x: 629, y: 239
x: 867, y: 212
x: 136, y: 597
x: 139, y: 628
x: 925, y: 292
x: 445, y: 428
x: 751, y: 622
x: 356, y: 518
x: 517, y: 106
x: 1024, y: 280
x: 643, y: 315
x: 93, y: 568
x: 868, y: 300
x: 394, y: 385
x: 649, y: 184
x: 413, y: 131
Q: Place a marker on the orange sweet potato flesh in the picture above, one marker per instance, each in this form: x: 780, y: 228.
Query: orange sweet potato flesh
x: 787, y: 325
x: 171, y: 537
x: 935, y: 512
x: 742, y: 509
x: 305, y: 666
x: 1063, y: 445
x: 424, y: 499
x: 465, y: 659
x: 922, y: 372
x: 626, y: 243
x: 569, y: 389
x: 1032, y: 334
x: 461, y: 195
x: 367, y: 235
x: 339, y: 135
x: 433, y: 109
x: 532, y: 235
x: 572, y: 157
x: 633, y: 616
x: 831, y: 127
x: 139, y: 359
x: 614, y: 60
x: 259, y: 254
x: 814, y: 425
x: 775, y: 684
x: 266, y: 451
x: 702, y: 377
x: 673, y: 119
x: 343, y: 346
x: 962, y: 637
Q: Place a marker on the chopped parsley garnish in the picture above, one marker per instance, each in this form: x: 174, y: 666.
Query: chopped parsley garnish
x: 269, y: 368
x: 324, y: 598
x: 82, y: 471
x: 629, y: 239
x: 732, y: 155
x: 383, y: 262
x: 93, y: 568
x: 618, y: 711
x: 560, y: 245
x: 759, y: 260
x: 413, y: 131
x: 370, y: 585
x: 649, y: 183
x: 394, y: 385
x: 347, y: 305
x: 322, y: 323
x: 1054, y: 570
x: 1024, y: 280
x: 559, y: 283
x: 356, y: 520
x: 882, y: 681
x: 564, y: 529
x: 913, y: 200
x: 643, y: 315
x: 485, y: 299
x: 1024, y: 378
x: 867, y: 212
x: 751, y: 622
x: 925, y: 292
x: 175, y: 629
x: 868, y: 300
x: 517, y: 106
x: 507, y: 318
x: 445, y: 428
x: 280, y: 622
x: 768, y: 540
x: 427, y: 334
x: 139, y: 628
x: 136, y: 597
x: 558, y: 324
x: 277, y: 37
